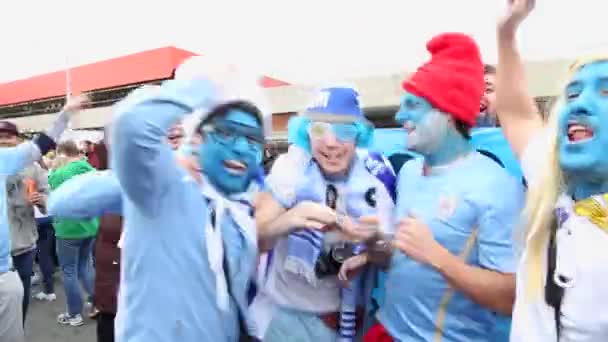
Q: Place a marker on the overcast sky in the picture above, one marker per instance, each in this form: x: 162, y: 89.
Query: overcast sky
x: 299, y: 41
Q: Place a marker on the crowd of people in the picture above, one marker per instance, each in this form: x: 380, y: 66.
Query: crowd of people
x: 202, y: 233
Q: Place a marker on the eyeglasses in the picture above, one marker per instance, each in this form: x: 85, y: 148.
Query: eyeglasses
x: 344, y: 132
x: 229, y: 133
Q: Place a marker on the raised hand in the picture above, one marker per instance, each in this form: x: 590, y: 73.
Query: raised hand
x: 76, y: 103
x: 517, y: 12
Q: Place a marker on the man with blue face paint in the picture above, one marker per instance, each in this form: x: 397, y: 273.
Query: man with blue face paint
x: 189, y: 248
x: 12, y: 161
x: 98, y: 194
x: 561, y: 284
x: 320, y: 189
x: 453, y: 267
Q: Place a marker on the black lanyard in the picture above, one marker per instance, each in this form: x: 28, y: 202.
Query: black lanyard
x: 554, y: 294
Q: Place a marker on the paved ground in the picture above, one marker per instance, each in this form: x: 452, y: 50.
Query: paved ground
x: 41, y: 325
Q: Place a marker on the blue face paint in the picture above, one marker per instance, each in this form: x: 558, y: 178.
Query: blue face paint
x: 232, y: 151
x: 429, y: 131
x: 583, y: 131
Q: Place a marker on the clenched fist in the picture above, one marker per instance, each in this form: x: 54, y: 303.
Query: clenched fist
x: 415, y: 239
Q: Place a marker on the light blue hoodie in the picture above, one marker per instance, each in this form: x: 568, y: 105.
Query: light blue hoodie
x: 168, y: 288
x: 85, y: 196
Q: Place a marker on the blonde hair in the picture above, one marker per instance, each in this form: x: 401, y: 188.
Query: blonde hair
x: 543, y: 195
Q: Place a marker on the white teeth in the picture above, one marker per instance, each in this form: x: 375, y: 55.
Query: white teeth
x: 573, y: 128
x: 235, y: 164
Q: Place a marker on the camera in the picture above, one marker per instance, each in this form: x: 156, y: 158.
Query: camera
x: 330, y: 261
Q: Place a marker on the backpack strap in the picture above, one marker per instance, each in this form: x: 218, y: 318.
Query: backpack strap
x: 499, y: 162
x: 554, y: 294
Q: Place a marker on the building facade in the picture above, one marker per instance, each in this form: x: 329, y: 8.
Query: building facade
x: 32, y: 102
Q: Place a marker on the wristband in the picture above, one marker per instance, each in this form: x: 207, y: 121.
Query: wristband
x: 44, y: 143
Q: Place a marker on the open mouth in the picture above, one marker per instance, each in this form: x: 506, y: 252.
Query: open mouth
x: 332, y: 157
x: 578, y: 132
x: 235, y: 167
x: 483, y: 107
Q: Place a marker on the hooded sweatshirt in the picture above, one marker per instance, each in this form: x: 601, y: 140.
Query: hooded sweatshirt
x: 21, y: 213
x: 70, y: 228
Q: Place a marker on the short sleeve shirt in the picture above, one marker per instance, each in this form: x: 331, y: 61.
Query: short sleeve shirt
x: 473, y: 196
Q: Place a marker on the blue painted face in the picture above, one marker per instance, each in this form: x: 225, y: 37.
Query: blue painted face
x: 583, y: 124
x: 232, y: 151
x: 429, y: 132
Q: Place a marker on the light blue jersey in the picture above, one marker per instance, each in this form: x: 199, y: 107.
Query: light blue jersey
x: 472, y: 201
x: 167, y: 288
x: 12, y: 161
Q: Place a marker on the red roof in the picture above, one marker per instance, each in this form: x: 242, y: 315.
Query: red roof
x: 140, y: 67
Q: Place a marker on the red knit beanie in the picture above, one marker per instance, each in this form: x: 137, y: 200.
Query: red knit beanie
x: 452, y: 80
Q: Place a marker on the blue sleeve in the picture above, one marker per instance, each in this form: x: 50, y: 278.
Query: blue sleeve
x: 498, y: 223
x: 85, y: 196
x: 143, y: 162
x: 15, y: 159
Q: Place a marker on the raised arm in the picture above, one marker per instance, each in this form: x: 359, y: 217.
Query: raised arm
x: 85, y: 196
x: 516, y: 109
x: 143, y: 162
x: 15, y: 159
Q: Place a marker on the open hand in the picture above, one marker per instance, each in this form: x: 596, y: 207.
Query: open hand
x: 517, y: 12
x: 76, y: 103
x: 415, y: 239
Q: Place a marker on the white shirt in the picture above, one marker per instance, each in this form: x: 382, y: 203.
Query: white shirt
x: 584, y: 306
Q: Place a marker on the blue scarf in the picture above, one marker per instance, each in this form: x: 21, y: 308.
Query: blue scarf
x: 305, y: 246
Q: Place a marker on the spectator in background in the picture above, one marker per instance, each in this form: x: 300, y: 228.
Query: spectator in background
x: 13, y: 160
x: 90, y: 195
x: 90, y: 150
x: 74, y: 239
x: 271, y: 152
x: 46, y: 255
x: 487, y: 109
x: 24, y: 191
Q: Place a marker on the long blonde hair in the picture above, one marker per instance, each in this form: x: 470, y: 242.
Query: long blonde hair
x: 543, y: 195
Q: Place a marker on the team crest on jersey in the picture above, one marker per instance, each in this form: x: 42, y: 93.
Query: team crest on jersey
x: 370, y: 197
x: 447, y: 206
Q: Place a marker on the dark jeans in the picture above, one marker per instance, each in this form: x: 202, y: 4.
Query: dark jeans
x: 77, y: 269
x: 105, y: 327
x: 24, y: 263
x: 46, y: 254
